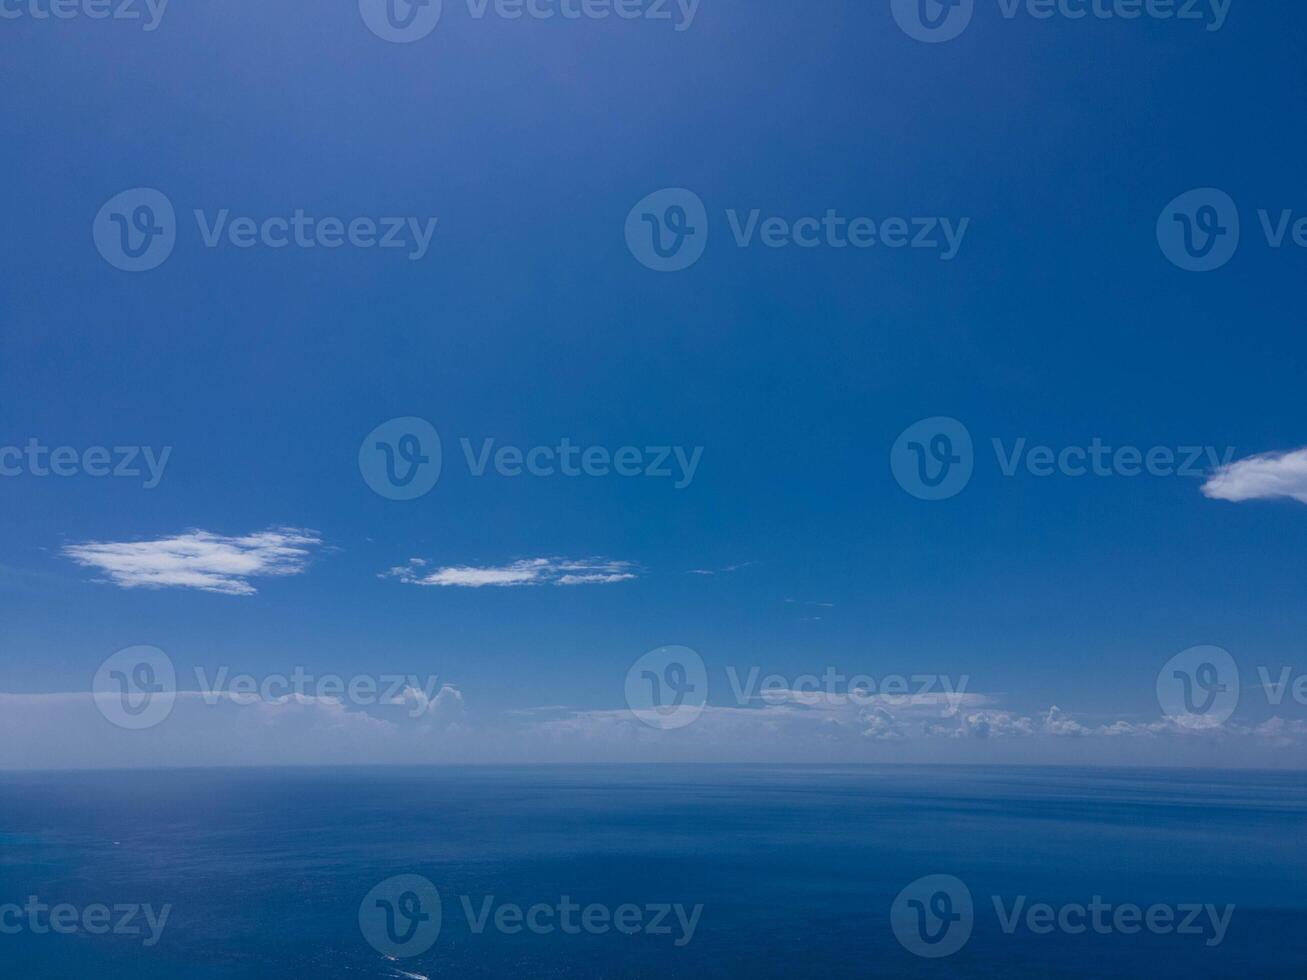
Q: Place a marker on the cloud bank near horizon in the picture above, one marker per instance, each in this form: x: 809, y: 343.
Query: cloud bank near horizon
x: 800, y: 715
x: 68, y: 730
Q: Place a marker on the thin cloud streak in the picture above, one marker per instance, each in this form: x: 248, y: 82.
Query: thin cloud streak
x: 524, y: 572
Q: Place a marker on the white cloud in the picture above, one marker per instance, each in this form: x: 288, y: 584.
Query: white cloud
x: 1281, y: 733
x: 446, y: 706
x: 199, y: 559
x: 1264, y: 477
x: 527, y: 571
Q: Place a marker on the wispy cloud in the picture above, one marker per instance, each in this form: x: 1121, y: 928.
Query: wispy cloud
x: 526, y: 571
x: 199, y: 559
x: 725, y: 570
x: 1264, y: 477
x: 810, y: 606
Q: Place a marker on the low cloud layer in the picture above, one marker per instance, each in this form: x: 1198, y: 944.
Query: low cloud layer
x: 927, y: 722
x: 1266, y: 477
x: 528, y: 571
x: 69, y: 730
x: 199, y: 559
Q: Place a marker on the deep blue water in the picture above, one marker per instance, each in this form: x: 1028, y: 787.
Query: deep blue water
x: 796, y: 867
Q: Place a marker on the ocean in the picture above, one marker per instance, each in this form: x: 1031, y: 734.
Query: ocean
x: 653, y: 871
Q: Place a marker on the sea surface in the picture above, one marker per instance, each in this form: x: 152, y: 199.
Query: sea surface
x: 796, y: 869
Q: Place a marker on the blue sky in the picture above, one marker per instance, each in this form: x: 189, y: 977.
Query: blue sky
x: 528, y: 320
